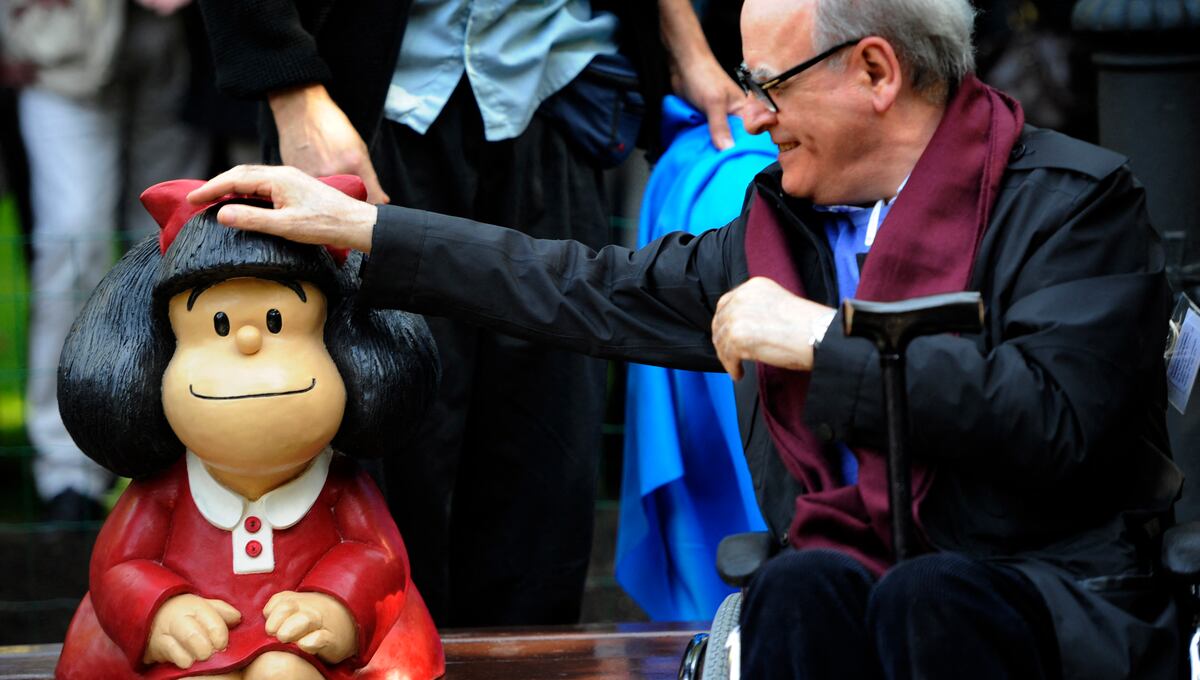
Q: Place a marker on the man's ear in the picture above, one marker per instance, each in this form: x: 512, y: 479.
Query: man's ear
x: 880, y: 71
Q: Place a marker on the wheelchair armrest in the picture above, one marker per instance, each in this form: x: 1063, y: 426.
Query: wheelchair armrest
x: 740, y: 555
x: 1181, y: 551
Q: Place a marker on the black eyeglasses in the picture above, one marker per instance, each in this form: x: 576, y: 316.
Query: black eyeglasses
x: 759, y: 90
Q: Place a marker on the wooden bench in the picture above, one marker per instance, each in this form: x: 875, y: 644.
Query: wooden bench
x: 638, y: 651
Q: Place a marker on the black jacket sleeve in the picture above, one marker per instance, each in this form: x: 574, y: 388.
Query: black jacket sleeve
x: 261, y: 45
x: 653, y: 305
x: 1073, y: 350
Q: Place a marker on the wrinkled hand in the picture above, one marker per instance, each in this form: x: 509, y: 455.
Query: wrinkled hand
x: 708, y: 88
x: 164, y: 8
x: 189, y: 628
x: 316, y: 136
x: 306, y: 209
x: 317, y: 623
x: 761, y: 321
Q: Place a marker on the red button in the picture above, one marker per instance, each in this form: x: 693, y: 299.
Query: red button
x: 253, y: 524
x: 254, y: 548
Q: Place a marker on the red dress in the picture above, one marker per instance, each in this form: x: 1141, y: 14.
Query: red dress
x: 157, y: 544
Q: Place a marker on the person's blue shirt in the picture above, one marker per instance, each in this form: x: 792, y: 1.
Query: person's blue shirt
x: 851, y: 230
x: 514, y: 53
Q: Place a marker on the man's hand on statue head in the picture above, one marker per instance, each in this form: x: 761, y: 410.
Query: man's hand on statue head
x: 316, y: 136
x: 305, y: 209
x: 317, y: 623
x: 761, y: 321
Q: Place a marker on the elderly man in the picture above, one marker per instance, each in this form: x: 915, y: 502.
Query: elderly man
x: 1042, y: 464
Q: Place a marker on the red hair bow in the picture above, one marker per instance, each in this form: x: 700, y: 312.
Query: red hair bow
x: 167, y: 203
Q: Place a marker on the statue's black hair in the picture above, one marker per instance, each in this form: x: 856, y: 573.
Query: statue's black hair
x: 110, y: 371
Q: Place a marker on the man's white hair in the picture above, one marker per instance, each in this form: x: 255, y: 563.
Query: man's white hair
x: 932, y: 38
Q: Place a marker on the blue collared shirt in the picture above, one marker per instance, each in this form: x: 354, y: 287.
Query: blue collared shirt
x: 515, y: 53
x: 851, y: 230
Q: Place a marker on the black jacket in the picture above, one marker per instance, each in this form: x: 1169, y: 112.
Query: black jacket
x: 1047, y: 428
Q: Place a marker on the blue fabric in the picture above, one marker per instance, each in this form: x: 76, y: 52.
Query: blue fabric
x: 516, y: 53
x: 686, y: 484
x: 846, y: 227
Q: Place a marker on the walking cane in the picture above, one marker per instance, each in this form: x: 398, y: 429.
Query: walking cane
x: 891, y: 326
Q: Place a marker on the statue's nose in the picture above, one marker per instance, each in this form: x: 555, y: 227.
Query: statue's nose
x: 249, y: 339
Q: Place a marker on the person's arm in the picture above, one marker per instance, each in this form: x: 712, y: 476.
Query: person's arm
x: 653, y: 305
x: 1075, y: 351
x: 261, y: 46
x: 262, y: 50
x: 316, y: 136
x: 695, y: 74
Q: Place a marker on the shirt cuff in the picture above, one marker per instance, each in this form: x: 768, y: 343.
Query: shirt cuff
x: 844, y: 386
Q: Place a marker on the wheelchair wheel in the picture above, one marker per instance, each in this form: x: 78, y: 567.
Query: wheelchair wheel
x: 693, y: 657
x: 717, y: 662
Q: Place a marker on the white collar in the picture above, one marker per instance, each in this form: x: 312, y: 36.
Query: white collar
x: 282, y: 507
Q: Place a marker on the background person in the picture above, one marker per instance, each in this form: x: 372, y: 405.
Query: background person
x: 100, y: 121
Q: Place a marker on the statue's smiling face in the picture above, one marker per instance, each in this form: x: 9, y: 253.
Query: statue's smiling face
x: 251, y: 388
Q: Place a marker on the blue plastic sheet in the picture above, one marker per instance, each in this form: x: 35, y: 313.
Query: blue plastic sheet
x: 685, y: 483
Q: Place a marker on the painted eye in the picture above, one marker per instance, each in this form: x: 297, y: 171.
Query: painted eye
x: 221, y: 324
x: 274, y: 320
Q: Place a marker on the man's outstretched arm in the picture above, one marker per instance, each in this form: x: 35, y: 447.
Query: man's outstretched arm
x: 653, y: 305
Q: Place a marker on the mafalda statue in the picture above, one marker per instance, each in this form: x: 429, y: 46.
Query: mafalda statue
x: 231, y: 374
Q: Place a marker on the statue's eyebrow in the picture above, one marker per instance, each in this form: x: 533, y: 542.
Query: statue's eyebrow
x: 289, y: 283
x: 196, y: 293
x: 296, y: 287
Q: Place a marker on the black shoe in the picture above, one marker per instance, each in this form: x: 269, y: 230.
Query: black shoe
x: 72, y: 506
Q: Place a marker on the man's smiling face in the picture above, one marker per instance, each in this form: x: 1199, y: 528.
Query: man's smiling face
x: 823, y: 126
x: 251, y: 388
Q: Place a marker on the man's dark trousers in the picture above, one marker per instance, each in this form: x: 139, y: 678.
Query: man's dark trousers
x: 820, y: 614
x: 495, y: 498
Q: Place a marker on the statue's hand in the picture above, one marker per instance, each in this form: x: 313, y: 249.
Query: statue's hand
x: 189, y: 628
x: 317, y: 623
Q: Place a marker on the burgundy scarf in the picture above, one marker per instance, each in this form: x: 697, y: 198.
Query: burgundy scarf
x: 929, y: 246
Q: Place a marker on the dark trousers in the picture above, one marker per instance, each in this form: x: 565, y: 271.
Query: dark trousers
x: 495, y: 498
x: 820, y: 614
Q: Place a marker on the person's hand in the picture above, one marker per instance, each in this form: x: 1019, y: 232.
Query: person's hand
x: 316, y: 622
x: 305, y: 210
x: 316, y: 136
x: 708, y: 88
x: 761, y: 321
x: 164, y: 8
x: 695, y: 74
x: 189, y: 628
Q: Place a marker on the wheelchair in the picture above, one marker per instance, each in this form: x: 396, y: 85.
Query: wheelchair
x: 715, y: 655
